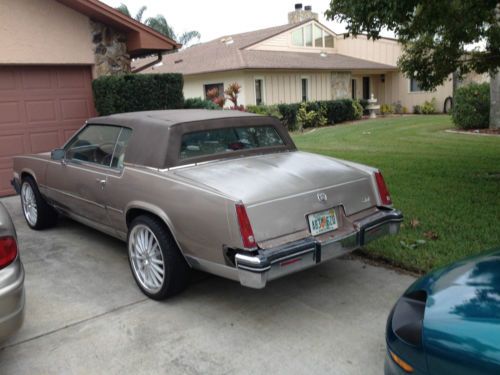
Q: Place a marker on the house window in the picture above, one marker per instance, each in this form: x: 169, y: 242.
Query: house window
x: 309, y: 35
x: 259, y: 91
x: 312, y: 35
x: 298, y: 37
x: 414, y: 85
x: 318, y: 36
x: 305, y: 93
x: 353, y: 88
x: 328, y: 41
x: 211, y: 86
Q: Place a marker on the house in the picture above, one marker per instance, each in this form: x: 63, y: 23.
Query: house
x: 302, y: 60
x: 51, y: 51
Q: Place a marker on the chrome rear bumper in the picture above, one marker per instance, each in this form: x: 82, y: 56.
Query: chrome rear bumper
x: 255, y: 270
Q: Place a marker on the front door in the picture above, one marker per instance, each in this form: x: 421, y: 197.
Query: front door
x: 78, y: 183
x: 366, y: 87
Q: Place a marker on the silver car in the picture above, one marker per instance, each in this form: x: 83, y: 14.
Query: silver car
x: 11, y: 278
x: 220, y: 191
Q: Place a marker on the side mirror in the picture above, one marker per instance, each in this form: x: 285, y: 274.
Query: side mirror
x: 58, y: 154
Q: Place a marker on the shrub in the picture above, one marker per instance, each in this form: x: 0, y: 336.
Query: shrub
x: 417, y: 109
x: 216, y: 97
x: 232, y: 93
x: 137, y: 92
x: 338, y: 110
x: 311, y: 118
x: 471, y: 107
x: 289, y: 115
x: 404, y: 110
x: 429, y: 107
x: 398, y: 107
x: 358, y: 110
x: 386, y: 109
x: 268, y: 110
x: 364, y: 104
x: 200, y: 103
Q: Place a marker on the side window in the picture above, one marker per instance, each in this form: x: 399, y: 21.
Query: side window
x: 121, y: 146
x: 94, y: 144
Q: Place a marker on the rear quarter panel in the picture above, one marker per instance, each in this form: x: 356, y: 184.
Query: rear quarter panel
x: 200, y: 219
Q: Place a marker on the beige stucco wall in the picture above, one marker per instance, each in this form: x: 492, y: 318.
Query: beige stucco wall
x: 194, y: 85
x: 285, y: 87
x: 279, y: 87
x: 397, y: 87
x: 385, y: 51
x: 43, y: 32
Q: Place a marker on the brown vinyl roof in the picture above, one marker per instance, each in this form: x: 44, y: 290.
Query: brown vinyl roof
x: 216, y: 55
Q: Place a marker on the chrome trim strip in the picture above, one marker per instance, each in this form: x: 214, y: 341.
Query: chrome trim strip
x: 74, y: 196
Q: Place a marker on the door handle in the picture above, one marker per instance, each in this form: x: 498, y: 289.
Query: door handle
x: 101, y: 182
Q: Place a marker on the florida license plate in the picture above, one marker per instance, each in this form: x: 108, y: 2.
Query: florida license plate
x: 322, y: 222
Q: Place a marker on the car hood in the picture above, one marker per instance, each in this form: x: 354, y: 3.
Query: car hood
x: 462, y: 315
x: 265, y: 177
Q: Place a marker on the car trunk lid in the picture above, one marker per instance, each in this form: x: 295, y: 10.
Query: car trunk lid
x: 280, y: 190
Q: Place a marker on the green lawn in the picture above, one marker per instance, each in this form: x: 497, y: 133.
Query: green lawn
x: 447, y: 185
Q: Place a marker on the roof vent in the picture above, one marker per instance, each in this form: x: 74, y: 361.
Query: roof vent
x: 178, y: 61
x: 227, y: 40
x: 323, y: 54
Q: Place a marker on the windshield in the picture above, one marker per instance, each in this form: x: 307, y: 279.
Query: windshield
x: 215, y: 141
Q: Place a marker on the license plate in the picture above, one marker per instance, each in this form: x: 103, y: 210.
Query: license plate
x: 322, y: 222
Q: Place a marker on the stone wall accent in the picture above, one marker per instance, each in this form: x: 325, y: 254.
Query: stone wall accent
x: 341, y: 85
x: 110, y: 50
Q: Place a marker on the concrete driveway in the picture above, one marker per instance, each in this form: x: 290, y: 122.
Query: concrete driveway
x: 85, y: 315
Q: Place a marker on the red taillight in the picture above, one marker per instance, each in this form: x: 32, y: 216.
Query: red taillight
x: 8, y: 251
x: 245, y: 227
x: 383, y: 192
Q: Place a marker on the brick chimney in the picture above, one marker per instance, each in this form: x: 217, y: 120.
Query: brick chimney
x: 299, y: 14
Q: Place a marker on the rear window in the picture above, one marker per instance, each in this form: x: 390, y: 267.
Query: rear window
x: 227, y: 140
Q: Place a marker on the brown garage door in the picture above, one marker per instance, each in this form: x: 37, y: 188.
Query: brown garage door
x: 40, y: 107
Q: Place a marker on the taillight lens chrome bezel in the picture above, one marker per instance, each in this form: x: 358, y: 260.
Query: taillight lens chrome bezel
x: 246, y: 230
x: 8, y: 250
x: 383, y: 191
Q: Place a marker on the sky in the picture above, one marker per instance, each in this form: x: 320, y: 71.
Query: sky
x: 215, y: 19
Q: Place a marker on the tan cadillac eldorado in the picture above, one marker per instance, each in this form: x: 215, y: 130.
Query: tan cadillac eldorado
x: 225, y: 192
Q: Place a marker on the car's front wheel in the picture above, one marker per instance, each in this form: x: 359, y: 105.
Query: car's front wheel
x: 156, y: 262
x: 37, y: 212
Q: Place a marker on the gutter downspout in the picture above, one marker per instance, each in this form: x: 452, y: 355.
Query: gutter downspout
x: 148, y: 65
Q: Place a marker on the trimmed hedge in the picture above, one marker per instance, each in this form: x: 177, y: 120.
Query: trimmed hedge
x: 199, y: 103
x: 471, y: 106
x: 336, y: 111
x: 137, y: 92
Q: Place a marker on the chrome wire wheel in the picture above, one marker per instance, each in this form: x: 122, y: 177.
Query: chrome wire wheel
x: 30, y: 208
x: 146, y: 258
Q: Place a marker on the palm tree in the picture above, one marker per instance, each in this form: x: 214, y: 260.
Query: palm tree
x: 160, y: 24
x: 124, y: 9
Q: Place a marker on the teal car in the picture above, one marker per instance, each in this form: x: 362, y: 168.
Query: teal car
x: 448, y: 322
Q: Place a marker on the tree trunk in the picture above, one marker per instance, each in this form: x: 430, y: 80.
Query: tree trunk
x: 495, y: 100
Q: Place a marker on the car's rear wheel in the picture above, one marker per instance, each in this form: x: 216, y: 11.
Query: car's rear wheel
x: 156, y: 262
x: 37, y: 212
